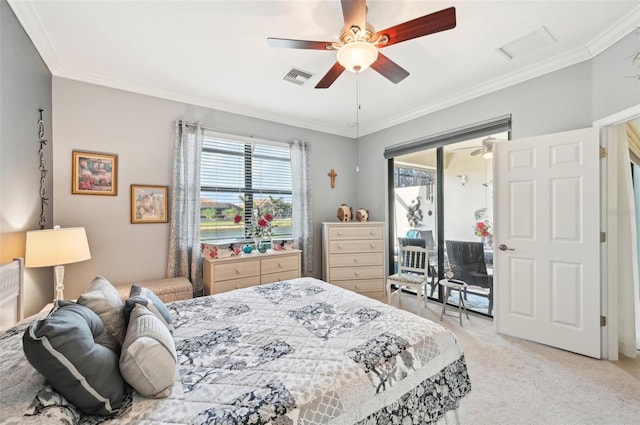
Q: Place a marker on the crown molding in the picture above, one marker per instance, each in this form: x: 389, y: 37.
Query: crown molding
x: 28, y: 17
x: 620, y: 29
x: 147, y: 89
x: 540, y: 69
x: 30, y: 21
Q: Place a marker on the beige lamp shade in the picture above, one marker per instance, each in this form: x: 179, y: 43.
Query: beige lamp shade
x: 56, y: 246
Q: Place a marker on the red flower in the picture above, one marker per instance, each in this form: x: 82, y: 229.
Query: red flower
x: 268, y: 217
x: 263, y: 222
x: 237, y: 219
x: 480, y: 225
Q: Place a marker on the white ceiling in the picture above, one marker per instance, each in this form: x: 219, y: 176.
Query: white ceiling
x: 215, y: 53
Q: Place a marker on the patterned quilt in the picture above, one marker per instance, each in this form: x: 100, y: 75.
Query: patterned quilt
x: 299, y: 352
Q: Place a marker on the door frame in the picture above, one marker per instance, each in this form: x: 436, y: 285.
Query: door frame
x: 608, y: 223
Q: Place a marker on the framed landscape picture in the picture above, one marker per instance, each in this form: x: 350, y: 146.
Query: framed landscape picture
x: 94, y: 173
x: 149, y: 204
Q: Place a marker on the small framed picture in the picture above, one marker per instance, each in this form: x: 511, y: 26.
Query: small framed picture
x: 149, y: 204
x: 94, y: 173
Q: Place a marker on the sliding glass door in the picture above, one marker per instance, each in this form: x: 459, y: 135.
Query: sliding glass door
x: 468, y: 221
x: 442, y: 198
x: 415, y: 206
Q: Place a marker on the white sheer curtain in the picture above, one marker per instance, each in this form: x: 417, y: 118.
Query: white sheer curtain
x: 623, y: 289
x: 184, y: 232
x: 302, y: 229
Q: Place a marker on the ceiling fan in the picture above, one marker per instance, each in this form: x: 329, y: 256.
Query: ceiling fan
x: 486, y: 149
x: 359, y: 43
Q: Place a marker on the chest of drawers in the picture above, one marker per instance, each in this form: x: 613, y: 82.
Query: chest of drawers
x: 353, y: 256
x: 226, y: 274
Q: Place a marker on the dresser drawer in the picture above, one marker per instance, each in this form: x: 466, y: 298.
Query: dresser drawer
x: 279, y: 277
x: 341, y: 247
x: 362, y: 286
x: 356, y: 259
x: 355, y: 232
x: 230, y: 285
x: 350, y: 273
x: 237, y: 270
x: 280, y: 264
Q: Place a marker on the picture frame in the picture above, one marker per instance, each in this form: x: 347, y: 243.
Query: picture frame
x: 94, y: 173
x: 149, y: 204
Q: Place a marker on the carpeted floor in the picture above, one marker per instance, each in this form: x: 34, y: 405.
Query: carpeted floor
x: 517, y: 382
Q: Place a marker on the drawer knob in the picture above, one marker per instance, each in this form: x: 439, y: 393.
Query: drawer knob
x: 356, y: 288
x: 339, y: 246
x: 356, y: 274
x: 339, y: 233
x: 237, y: 271
x: 372, y: 246
x: 355, y: 260
x: 280, y: 265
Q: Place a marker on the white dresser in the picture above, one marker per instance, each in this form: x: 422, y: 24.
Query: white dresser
x: 353, y: 256
x: 242, y: 271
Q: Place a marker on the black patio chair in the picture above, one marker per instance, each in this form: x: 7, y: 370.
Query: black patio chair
x: 467, y: 261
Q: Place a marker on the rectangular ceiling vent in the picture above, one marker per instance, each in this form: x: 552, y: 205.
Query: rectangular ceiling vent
x: 297, y: 76
x: 527, y: 44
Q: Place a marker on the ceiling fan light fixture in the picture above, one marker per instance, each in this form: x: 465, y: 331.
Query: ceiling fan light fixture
x: 357, y: 56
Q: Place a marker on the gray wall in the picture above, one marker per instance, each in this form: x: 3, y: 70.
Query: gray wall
x: 615, y: 88
x: 25, y: 85
x: 139, y: 129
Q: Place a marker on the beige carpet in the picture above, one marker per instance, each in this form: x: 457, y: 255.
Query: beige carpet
x: 517, y: 382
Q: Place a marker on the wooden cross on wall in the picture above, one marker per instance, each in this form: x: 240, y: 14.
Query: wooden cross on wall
x: 333, y: 176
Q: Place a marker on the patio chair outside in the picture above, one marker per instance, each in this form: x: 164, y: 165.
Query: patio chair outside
x: 470, y: 267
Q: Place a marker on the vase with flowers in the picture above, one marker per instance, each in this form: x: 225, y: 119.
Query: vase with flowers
x: 483, y: 229
x: 260, y: 229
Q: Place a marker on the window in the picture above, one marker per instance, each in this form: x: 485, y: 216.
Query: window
x: 405, y: 176
x: 243, y: 178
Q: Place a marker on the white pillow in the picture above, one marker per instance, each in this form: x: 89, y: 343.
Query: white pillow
x: 148, y: 357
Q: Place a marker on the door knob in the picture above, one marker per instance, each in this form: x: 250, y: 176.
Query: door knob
x: 503, y: 247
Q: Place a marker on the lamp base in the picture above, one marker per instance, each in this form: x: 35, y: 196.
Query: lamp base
x: 58, y: 273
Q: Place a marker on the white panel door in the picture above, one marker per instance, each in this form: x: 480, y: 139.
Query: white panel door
x: 547, y: 280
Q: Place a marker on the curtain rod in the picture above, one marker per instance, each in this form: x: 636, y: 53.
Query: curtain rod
x: 249, y: 136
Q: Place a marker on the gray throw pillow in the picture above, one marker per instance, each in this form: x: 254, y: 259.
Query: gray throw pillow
x: 104, y: 300
x: 62, y: 347
x: 148, y: 358
x: 146, y: 297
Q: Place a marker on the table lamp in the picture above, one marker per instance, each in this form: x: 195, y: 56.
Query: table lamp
x: 56, y: 247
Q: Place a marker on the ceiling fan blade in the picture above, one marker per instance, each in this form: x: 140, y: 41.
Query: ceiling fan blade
x: 330, y: 76
x: 425, y: 25
x: 299, y: 44
x: 389, y: 69
x: 355, y: 13
x: 478, y: 151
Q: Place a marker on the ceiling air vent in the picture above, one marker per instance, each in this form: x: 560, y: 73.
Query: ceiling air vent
x: 527, y: 44
x: 296, y: 76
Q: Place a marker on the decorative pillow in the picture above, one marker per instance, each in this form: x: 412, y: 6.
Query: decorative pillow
x: 148, y: 358
x: 104, y: 300
x: 62, y: 347
x: 146, y: 297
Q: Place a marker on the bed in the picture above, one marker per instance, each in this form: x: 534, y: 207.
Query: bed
x: 301, y: 351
